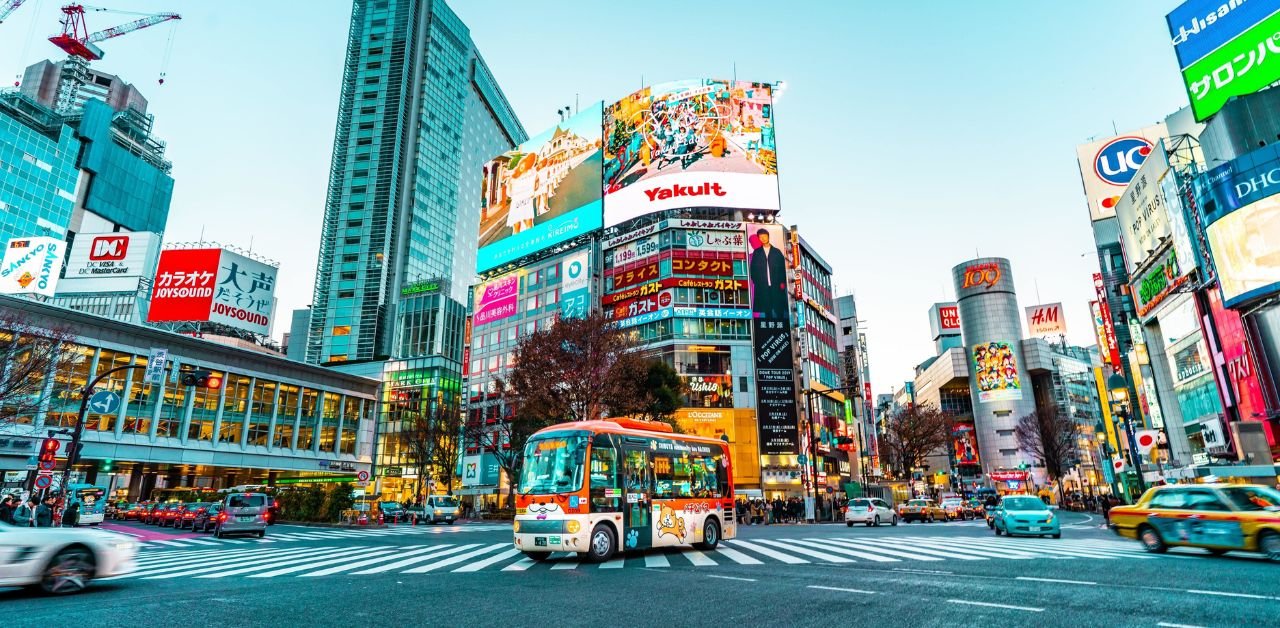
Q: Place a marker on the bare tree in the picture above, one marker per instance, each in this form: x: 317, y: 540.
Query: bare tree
x: 913, y: 434
x: 504, y: 437
x: 28, y: 353
x: 1051, y: 437
x: 446, y: 443
x: 430, y: 433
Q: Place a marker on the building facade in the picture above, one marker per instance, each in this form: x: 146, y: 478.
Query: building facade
x: 38, y: 154
x: 273, y: 421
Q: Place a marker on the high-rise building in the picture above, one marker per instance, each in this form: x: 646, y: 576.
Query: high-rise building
x: 40, y: 82
x: 418, y: 116
x: 38, y: 159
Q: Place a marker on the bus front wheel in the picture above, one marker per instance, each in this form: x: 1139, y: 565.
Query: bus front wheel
x: 602, y: 545
x: 710, y: 535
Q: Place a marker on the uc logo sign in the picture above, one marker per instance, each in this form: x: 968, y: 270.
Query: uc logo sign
x: 1118, y: 160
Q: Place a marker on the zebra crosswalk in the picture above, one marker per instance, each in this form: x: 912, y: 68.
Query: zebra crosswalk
x: 299, y: 533
x: 257, y: 561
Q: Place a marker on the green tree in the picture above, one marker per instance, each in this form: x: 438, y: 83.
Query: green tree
x: 659, y: 394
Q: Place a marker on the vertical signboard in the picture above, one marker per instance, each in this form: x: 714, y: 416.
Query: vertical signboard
x: 31, y: 266
x: 771, y: 331
x: 1108, y: 325
x: 995, y: 366
x: 575, y: 273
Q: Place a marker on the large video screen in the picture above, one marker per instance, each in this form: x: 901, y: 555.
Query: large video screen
x: 1246, y: 251
x: 692, y: 143
x: 544, y: 192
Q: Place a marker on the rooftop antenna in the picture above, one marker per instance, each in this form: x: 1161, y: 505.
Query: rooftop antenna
x: 1037, y: 282
x: 1113, y: 128
x: 575, y: 103
x: 735, y: 71
x: 201, y: 234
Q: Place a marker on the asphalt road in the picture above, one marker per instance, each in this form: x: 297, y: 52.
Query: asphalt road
x: 942, y: 574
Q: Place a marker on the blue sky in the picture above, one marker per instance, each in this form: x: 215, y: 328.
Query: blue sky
x: 911, y: 135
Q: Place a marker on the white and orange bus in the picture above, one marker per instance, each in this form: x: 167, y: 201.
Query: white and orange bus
x: 600, y: 487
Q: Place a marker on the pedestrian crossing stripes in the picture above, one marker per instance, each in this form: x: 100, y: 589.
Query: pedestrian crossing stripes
x: 321, y: 534
x: 255, y: 561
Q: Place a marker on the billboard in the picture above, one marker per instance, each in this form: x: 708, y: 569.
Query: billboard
x: 31, y: 266
x: 110, y: 262
x: 1142, y: 211
x: 964, y: 444
x: 1107, y: 166
x: 1199, y: 27
x: 767, y: 271
x: 1157, y: 283
x: 575, y: 288
x: 1046, y: 321
x: 1246, y: 59
x: 544, y: 192
x: 1111, y: 352
x: 496, y: 300
x: 215, y: 286
x: 995, y: 366
x: 1245, y: 245
x: 691, y: 143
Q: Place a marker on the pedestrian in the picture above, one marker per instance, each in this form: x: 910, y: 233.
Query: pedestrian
x: 24, y: 513
x: 6, y: 509
x: 71, y: 517
x: 44, y: 513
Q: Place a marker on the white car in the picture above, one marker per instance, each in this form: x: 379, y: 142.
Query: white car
x: 62, y: 560
x: 872, y: 511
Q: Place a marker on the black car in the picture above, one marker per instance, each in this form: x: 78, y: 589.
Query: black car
x: 206, y: 518
x: 186, y: 515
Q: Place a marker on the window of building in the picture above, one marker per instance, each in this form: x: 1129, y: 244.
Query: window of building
x: 346, y: 294
x: 286, y: 416
x: 341, y: 330
x: 348, y: 276
x: 347, y: 259
x: 351, y: 240
x: 368, y: 110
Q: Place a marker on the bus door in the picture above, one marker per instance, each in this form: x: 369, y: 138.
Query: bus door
x: 638, y: 486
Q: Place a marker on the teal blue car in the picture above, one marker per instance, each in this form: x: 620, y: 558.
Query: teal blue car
x: 1027, y: 516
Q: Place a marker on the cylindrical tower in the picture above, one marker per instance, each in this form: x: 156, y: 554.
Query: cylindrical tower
x: 991, y: 327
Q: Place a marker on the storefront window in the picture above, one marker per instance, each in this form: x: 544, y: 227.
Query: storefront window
x: 287, y: 414
x: 204, y: 408
x: 68, y: 381
x: 306, y: 428
x: 174, y: 406
x: 350, y: 422
x: 329, y: 422
x: 263, y: 404
x: 234, y: 406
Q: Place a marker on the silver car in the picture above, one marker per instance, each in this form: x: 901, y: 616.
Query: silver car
x: 871, y: 511
x: 243, y: 513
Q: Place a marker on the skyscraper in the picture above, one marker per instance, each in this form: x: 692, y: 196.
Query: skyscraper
x: 418, y: 116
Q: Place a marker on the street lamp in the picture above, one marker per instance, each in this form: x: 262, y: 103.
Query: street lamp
x: 1119, y: 389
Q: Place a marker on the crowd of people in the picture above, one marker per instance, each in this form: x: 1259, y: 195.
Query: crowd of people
x: 791, y: 510
x: 29, y: 513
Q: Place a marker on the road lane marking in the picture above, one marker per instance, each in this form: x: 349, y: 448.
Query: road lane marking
x: 186, y: 562
x: 698, y: 558
x: 1166, y: 624
x: 736, y: 556
x: 488, y: 561
x: 841, y: 589
x: 342, y: 558
x: 1229, y: 594
x: 617, y: 562
x: 459, y: 558
x: 206, y: 567
x: 409, y: 561
x: 786, y: 558
x: 520, y: 565
x: 807, y: 552
x: 309, y: 558
x: 840, y: 549
x: 1030, y: 609
x: 733, y: 578
x: 928, y: 571
x: 656, y: 560
x: 1055, y: 580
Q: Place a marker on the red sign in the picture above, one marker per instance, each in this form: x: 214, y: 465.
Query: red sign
x: 109, y: 248
x: 655, y: 287
x: 1239, y: 364
x: 681, y: 265
x: 949, y: 317
x: 987, y: 274
x: 634, y: 276
x: 1108, y: 325
x: 184, y: 285
x: 642, y: 305
x: 1009, y: 476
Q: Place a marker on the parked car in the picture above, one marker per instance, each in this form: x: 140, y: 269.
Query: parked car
x: 956, y: 509
x: 243, y: 513
x: 151, y: 514
x: 1217, y: 517
x: 206, y: 518
x: 186, y: 515
x: 64, y: 560
x: 924, y: 510
x: 169, y: 514
x: 439, y: 508
x: 870, y: 511
x: 1026, y: 515
x: 392, y: 512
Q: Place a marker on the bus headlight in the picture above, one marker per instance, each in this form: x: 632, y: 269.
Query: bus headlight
x: 572, y: 526
x: 516, y: 527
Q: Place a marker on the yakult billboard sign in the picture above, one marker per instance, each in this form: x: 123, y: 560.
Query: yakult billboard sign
x: 1107, y: 166
x: 215, y: 286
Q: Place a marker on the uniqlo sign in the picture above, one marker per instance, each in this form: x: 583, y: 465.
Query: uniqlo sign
x: 213, y: 285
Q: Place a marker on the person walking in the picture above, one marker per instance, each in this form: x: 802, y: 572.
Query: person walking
x: 44, y: 514
x: 24, y: 513
x: 6, y: 509
x: 71, y: 517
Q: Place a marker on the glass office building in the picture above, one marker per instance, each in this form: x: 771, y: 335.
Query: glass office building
x: 419, y: 114
x: 38, y: 170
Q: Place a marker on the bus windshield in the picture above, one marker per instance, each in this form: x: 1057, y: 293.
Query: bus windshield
x: 553, y: 464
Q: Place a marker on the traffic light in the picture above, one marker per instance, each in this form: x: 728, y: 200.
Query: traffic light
x: 73, y: 452
x: 49, y: 449
x: 205, y: 379
x: 1022, y: 465
x: 105, y: 466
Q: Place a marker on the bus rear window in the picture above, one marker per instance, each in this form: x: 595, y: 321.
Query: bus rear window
x: 246, y: 501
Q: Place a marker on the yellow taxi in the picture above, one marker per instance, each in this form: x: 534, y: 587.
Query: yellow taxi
x: 923, y: 510
x: 1218, y: 517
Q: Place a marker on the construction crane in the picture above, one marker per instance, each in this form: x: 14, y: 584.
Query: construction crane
x: 7, y: 7
x: 79, y: 44
x: 76, y: 40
